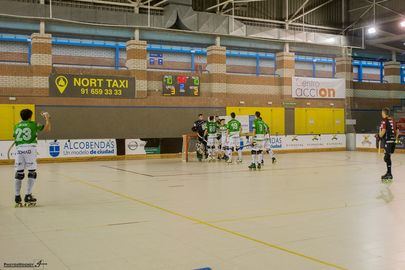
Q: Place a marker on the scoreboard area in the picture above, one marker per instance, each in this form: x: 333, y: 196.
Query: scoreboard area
x: 181, y: 85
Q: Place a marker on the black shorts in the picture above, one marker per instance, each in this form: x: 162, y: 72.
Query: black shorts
x: 389, y: 148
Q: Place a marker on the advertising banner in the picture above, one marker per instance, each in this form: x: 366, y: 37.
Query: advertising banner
x: 302, y: 142
x: 135, y: 147
x: 67, y: 148
x: 91, y: 86
x: 318, y: 88
x: 366, y: 141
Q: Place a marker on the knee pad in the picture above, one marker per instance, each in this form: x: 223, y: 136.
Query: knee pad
x: 19, y: 175
x: 260, y: 151
x: 254, y: 152
x: 32, y: 174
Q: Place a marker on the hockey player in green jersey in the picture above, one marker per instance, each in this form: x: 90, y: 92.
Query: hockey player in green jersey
x: 234, y: 128
x: 25, y: 135
x: 267, y: 145
x: 211, y: 131
x: 259, y: 132
x: 222, y: 132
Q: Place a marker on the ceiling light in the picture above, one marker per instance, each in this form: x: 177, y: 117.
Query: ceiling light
x: 371, y: 30
x: 402, y: 24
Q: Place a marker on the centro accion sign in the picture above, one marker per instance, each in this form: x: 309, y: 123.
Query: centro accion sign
x: 318, y: 88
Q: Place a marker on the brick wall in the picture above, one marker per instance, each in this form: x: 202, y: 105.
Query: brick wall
x: 219, y: 87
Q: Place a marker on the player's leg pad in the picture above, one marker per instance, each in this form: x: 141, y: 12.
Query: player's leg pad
x: 387, y: 157
x: 19, y: 175
x: 32, y: 174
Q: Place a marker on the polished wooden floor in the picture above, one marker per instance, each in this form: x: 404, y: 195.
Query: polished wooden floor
x: 309, y: 211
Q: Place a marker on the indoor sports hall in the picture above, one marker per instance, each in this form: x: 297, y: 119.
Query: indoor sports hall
x: 202, y: 134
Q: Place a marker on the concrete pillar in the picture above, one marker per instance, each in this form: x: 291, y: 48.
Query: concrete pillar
x: 41, y: 61
x: 137, y: 65
x: 392, y: 72
x: 42, y: 27
x: 136, y: 34
x: 344, y: 70
x: 216, y: 66
x: 285, y: 68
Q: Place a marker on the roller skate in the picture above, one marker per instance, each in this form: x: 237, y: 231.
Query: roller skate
x: 30, y: 201
x: 387, y: 178
x: 252, y: 166
x: 18, y: 201
x: 273, y: 160
x: 239, y: 161
x: 259, y: 166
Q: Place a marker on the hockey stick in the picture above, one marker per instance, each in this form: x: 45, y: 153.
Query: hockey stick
x: 202, y: 138
x: 9, y: 150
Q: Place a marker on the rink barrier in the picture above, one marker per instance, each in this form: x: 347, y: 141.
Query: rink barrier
x: 367, y: 142
x: 134, y: 149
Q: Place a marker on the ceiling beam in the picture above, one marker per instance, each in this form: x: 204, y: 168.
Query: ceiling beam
x: 358, y: 19
x: 219, y: 5
x: 160, y: 3
x: 312, y: 10
x: 363, y: 7
x: 285, y: 23
x: 298, y: 10
x: 132, y: 4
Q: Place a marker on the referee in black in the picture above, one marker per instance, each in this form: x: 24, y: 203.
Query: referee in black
x: 199, y: 128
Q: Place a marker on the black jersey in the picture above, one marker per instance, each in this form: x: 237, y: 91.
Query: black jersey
x: 390, y: 129
x: 199, y: 126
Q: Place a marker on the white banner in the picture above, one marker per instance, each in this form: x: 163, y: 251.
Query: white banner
x: 301, y: 142
x: 318, y: 88
x: 4, y: 146
x: 134, y: 147
x: 67, y: 148
x: 366, y: 141
x: 291, y: 142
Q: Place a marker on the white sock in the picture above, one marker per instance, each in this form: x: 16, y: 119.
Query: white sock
x: 271, y: 153
x: 240, y: 154
x: 30, y: 185
x: 229, y: 153
x: 253, y: 158
x: 260, y: 158
x: 18, y: 184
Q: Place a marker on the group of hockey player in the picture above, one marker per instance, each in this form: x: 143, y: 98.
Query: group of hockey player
x: 218, y: 140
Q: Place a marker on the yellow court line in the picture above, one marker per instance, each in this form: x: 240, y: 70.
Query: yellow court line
x: 313, y: 259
